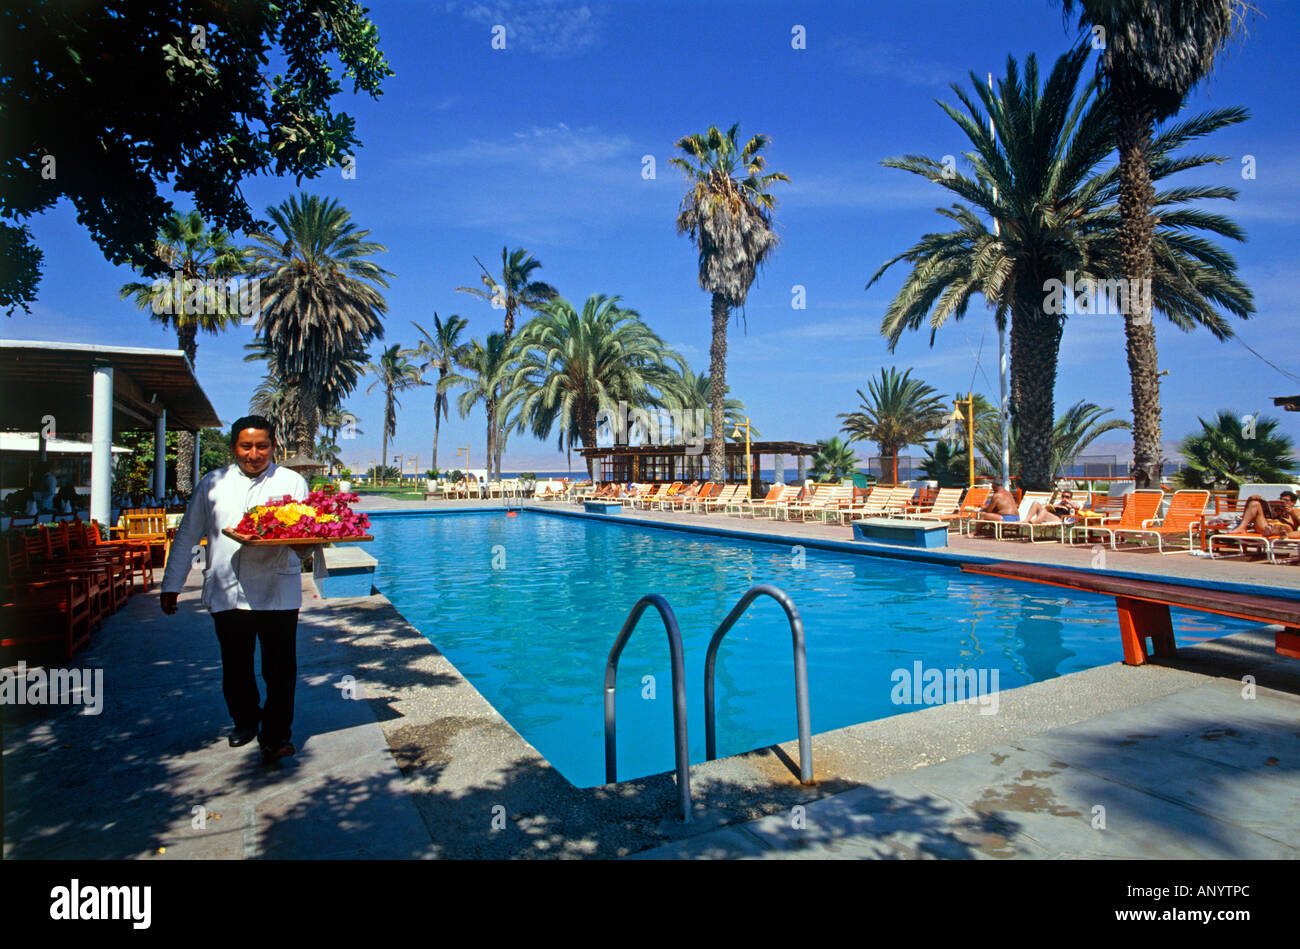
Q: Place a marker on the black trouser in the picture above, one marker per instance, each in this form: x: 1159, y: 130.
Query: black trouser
x: 237, y: 631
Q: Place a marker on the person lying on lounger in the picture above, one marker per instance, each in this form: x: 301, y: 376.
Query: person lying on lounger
x: 1001, y: 506
x: 1280, y: 519
x: 1052, y: 513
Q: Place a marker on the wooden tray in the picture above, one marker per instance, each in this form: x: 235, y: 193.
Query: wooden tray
x: 250, y: 540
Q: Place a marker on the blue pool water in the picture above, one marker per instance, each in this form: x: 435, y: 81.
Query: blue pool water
x: 527, y: 608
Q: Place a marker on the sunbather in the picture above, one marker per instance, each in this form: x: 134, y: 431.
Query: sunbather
x: 1053, y: 513
x: 1001, y: 506
x: 1279, y: 519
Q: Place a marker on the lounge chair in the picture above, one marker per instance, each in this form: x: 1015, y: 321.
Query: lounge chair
x: 688, y: 494
x: 876, y: 503
x: 769, y: 505
x: 943, y: 506
x: 975, y: 498
x: 632, y: 494
x: 1139, y: 507
x: 1186, y: 508
x: 721, y: 497
x: 1027, y: 500
x: 1023, y: 528
x: 825, y: 499
x: 656, y: 492
x: 742, y: 503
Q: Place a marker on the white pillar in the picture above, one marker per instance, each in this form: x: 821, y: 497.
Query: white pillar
x: 160, y: 456
x: 778, y: 473
x: 101, y: 444
x: 803, y: 461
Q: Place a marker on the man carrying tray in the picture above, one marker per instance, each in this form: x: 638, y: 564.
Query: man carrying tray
x: 253, y: 593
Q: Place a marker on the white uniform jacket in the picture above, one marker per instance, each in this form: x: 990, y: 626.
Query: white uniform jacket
x: 236, y: 577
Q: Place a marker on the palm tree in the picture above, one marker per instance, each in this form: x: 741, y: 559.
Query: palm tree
x: 1233, y: 450
x: 440, y: 351
x: 320, y: 302
x: 344, y: 373
x: 396, y: 373
x: 276, y: 400
x: 945, y: 464
x: 730, y: 220
x: 1055, y: 218
x: 572, y: 366
x: 333, y: 422
x: 513, y: 290
x: 834, y: 460
x: 1076, y: 429
x: 1154, y: 52
x: 488, y: 366
x: 698, y: 390
x: 900, y: 411
x: 1072, y: 432
x: 195, y: 298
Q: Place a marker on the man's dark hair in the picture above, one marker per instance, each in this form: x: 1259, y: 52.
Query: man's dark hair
x: 1291, y: 495
x: 252, y: 421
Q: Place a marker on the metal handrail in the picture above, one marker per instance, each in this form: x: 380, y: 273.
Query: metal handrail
x: 800, y: 675
x: 679, y: 695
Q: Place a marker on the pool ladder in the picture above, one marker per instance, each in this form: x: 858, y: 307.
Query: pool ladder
x: 678, y: 665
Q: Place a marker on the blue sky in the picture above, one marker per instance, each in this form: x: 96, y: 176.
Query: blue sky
x: 541, y: 145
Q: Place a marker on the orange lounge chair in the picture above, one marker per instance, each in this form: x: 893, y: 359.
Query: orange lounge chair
x: 686, y: 496
x: 975, y: 498
x: 783, y: 494
x: 1140, y: 507
x: 1186, y: 508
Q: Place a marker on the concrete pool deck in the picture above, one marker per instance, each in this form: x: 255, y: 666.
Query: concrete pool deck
x: 418, y: 764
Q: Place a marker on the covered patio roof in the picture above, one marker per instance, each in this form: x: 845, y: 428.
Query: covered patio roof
x: 39, y: 378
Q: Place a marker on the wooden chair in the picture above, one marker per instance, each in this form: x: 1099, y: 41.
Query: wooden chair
x: 149, y: 527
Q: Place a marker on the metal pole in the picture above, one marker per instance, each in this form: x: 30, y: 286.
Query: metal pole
x: 681, y: 746
x: 803, y: 718
x: 970, y: 436
x: 198, y: 454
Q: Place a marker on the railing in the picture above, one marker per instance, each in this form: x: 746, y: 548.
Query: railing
x: 679, y: 695
x: 800, y: 675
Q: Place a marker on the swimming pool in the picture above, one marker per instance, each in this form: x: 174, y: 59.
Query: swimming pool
x: 527, y: 608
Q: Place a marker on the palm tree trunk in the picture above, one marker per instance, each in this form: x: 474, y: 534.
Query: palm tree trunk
x: 1133, y: 132
x: 1035, y: 348
x: 718, y: 387
x: 307, y: 416
x: 491, y: 434
x: 437, y: 423
x: 383, y: 453
x: 587, y: 434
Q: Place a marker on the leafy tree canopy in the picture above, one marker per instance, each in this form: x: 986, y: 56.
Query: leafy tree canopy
x: 104, y: 100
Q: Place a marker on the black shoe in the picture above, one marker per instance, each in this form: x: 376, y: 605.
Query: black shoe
x: 273, y: 753
x: 242, y: 736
